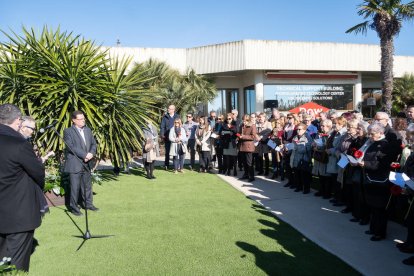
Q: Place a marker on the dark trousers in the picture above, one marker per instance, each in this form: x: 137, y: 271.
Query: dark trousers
x: 348, y: 195
x: 361, y: 209
x: 167, y: 153
x: 278, y: 166
x: 247, y: 158
x: 17, y: 246
x: 80, y: 182
x: 205, y: 159
x: 410, y: 226
x: 379, y: 220
x: 192, y: 151
x: 302, y: 180
x: 259, y: 163
x: 220, y: 159
x: 288, y: 170
x: 149, y: 168
x: 325, y: 186
x: 240, y: 160
x: 229, y: 163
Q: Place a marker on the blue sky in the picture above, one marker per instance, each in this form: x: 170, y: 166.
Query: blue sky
x: 185, y: 23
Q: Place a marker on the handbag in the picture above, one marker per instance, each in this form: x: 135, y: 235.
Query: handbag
x: 180, y: 149
x: 321, y: 156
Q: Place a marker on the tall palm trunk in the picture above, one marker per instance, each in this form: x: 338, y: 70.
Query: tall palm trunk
x: 387, y: 65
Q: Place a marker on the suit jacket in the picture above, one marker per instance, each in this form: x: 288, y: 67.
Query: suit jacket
x: 20, y: 172
x: 75, y: 141
x: 247, y: 141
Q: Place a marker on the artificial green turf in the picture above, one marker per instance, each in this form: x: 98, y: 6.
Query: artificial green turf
x: 178, y: 224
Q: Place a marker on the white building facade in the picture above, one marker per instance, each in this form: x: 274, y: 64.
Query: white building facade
x: 255, y: 75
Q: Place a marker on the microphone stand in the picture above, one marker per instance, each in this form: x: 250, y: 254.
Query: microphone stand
x: 86, y: 235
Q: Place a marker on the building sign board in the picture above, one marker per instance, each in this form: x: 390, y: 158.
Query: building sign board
x: 331, y: 96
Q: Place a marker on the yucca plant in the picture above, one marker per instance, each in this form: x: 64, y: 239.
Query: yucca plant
x: 51, y: 75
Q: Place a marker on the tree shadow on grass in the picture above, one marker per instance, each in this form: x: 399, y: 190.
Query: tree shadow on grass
x: 294, y: 254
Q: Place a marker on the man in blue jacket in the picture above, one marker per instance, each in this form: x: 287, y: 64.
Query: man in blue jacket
x: 167, y: 123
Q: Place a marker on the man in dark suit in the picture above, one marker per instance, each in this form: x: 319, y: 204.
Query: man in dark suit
x: 81, y: 148
x: 20, y: 172
x: 167, y: 122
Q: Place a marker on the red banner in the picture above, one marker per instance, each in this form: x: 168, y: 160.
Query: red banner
x: 307, y: 107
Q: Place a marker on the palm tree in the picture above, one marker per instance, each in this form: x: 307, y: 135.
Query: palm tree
x: 386, y: 17
x: 403, y: 93
x: 170, y: 87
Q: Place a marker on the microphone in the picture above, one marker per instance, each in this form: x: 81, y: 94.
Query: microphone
x: 42, y: 130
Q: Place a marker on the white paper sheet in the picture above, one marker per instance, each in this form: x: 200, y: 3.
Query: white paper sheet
x: 352, y: 160
x: 213, y: 135
x: 318, y: 142
x: 256, y: 143
x: 408, y: 181
x: 343, y: 162
x: 271, y: 144
x: 278, y: 148
x: 289, y: 146
x: 397, y: 179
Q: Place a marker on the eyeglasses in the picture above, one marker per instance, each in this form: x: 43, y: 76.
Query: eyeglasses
x: 213, y: 116
x: 29, y: 127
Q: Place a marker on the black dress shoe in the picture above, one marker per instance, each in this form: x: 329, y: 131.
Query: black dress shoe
x: 369, y: 232
x: 407, y: 249
x: 377, y: 238
x: 298, y: 190
x: 243, y: 177
x: 153, y: 177
x: 338, y: 204
x: 306, y: 192
x: 318, y: 194
x: 287, y: 185
x: 93, y: 208
x: 251, y: 179
x: 235, y: 173
x: 409, y: 261
x: 364, y: 222
x: 401, y: 245
x: 77, y: 213
x: 346, y: 210
x: 354, y: 220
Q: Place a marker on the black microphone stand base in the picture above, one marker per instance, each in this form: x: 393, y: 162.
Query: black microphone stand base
x: 88, y: 236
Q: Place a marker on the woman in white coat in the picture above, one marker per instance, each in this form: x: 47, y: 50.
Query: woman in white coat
x: 178, y: 148
x: 203, y: 143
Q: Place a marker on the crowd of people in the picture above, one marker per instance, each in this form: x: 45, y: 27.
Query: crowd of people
x: 347, y: 157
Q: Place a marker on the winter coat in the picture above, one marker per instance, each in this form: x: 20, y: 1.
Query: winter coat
x: 248, y: 135
x: 377, y: 161
x: 182, y: 139
x: 302, y: 149
x: 263, y: 133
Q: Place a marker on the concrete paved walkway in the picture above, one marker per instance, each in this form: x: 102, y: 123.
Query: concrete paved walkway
x: 322, y: 223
